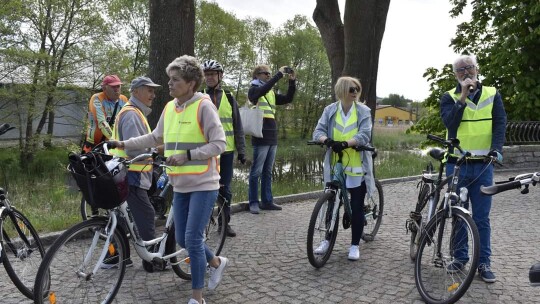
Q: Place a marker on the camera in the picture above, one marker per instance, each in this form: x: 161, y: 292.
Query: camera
x: 287, y: 70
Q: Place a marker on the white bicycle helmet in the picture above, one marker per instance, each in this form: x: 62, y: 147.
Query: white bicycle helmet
x: 212, y: 65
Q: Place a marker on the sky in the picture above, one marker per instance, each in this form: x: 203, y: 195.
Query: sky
x: 417, y: 36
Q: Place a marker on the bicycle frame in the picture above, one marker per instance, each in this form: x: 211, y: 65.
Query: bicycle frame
x: 337, y: 186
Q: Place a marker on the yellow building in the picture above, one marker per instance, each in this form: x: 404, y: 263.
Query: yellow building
x: 388, y: 115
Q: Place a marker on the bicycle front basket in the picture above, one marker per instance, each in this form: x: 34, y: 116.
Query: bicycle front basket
x: 104, y: 184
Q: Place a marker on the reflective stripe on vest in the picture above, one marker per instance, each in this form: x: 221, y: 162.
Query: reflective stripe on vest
x: 352, y: 159
x: 182, y: 131
x: 225, y: 115
x: 140, y: 166
x: 267, y: 103
x: 475, y: 130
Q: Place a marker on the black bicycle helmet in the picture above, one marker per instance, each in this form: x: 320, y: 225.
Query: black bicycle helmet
x: 212, y: 65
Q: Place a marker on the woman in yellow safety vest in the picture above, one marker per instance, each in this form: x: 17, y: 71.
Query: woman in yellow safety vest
x: 193, y: 138
x: 344, y: 124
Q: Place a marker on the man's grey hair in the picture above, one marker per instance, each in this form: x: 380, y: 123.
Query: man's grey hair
x: 187, y: 67
x: 468, y: 59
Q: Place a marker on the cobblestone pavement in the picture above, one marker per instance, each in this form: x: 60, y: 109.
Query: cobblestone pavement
x: 268, y: 262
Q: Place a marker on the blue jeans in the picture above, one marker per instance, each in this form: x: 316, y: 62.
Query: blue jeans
x: 261, y: 169
x: 481, y: 205
x: 191, y: 214
x: 226, y: 162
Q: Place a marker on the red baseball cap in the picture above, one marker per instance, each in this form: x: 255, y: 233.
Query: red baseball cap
x: 111, y: 80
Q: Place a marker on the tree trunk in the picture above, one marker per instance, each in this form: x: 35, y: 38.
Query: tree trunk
x: 327, y: 17
x: 172, y: 34
x: 353, y: 47
x: 365, y: 22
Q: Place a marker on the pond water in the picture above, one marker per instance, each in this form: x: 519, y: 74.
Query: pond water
x: 306, y: 167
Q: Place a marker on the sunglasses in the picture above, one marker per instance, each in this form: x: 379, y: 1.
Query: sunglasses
x: 265, y: 73
x: 354, y: 89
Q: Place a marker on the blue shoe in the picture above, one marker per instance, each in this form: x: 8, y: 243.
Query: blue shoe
x: 455, y: 266
x: 254, y: 208
x: 484, y: 270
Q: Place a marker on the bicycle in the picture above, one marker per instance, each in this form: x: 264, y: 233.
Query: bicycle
x: 21, y: 249
x: 73, y: 269
x: 517, y: 182
x: 439, y: 277
x: 160, y: 203
x: 430, y: 185
x: 323, y: 224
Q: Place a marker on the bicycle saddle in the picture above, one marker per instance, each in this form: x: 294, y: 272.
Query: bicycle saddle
x: 437, y: 153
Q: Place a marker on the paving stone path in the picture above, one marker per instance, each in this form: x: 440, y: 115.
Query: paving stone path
x: 269, y: 262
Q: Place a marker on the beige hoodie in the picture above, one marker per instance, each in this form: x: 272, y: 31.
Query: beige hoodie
x: 215, y: 137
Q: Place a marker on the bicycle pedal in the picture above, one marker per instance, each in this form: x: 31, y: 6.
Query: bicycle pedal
x: 159, y: 263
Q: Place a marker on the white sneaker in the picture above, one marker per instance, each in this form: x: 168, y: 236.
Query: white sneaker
x: 216, y: 274
x: 193, y: 301
x: 354, y: 253
x: 323, y: 247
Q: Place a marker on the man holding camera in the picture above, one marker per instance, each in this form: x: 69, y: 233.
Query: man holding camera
x: 264, y: 149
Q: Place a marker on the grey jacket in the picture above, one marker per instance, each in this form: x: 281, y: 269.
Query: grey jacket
x: 325, y: 127
x: 130, y: 125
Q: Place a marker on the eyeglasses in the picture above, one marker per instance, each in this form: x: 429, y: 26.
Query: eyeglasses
x: 354, y: 89
x: 265, y: 73
x: 468, y: 68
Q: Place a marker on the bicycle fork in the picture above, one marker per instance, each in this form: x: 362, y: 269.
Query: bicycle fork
x: 107, y: 248
x: 335, y: 210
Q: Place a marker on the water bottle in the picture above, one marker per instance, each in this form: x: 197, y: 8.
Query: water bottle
x: 163, y: 180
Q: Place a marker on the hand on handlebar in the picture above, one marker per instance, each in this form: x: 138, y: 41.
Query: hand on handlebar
x: 339, y: 146
x: 329, y: 142
x: 496, y: 155
x: 113, y: 144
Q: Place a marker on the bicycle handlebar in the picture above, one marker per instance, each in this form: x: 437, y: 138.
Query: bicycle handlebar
x: 492, y: 190
x: 447, y: 143
x: 4, y: 128
x: 357, y: 148
x: 515, y: 183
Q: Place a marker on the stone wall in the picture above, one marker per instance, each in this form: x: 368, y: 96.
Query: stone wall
x: 527, y: 157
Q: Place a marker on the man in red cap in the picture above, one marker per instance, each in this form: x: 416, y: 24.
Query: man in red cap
x: 102, y: 110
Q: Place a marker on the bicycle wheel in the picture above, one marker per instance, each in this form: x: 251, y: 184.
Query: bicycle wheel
x: 180, y: 264
x: 440, y: 277
x: 416, y: 227
x: 66, y: 273
x: 87, y: 212
x: 22, y: 250
x: 319, y: 229
x: 215, y: 231
x: 373, y: 209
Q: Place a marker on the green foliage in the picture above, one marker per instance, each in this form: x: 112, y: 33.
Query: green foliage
x: 439, y: 83
x: 298, y: 44
x: 396, y: 100
x: 219, y: 35
x: 506, y: 41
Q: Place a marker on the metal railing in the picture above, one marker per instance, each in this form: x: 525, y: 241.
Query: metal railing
x: 522, y: 132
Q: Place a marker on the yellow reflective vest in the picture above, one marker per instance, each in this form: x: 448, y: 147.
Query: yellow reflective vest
x: 267, y: 103
x: 476, y: 127
x: 142, y: 166
x: 352, y: 159
x: 225, y: 116
x: 183, y: 131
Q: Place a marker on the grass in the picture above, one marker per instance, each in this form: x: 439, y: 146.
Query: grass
x: 43, y: 193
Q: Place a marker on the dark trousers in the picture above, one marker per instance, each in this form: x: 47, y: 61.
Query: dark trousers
x: 358, y: 196
x: 226, y: 173
x: 142, y: 211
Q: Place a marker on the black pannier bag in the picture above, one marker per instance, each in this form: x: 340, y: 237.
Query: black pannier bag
x: 102, y: 179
